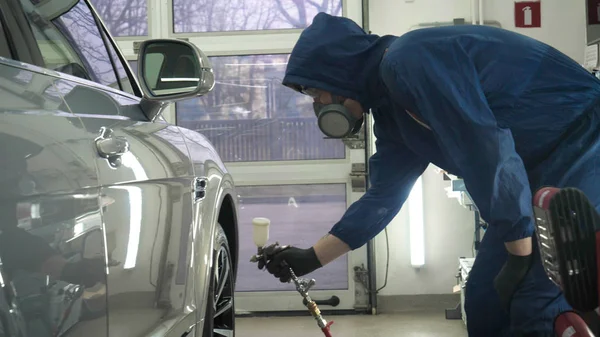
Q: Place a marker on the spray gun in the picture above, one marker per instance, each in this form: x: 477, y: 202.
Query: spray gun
x: 261, y: 237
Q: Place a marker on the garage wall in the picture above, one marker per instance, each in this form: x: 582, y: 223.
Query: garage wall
x: 449, y: 230
x: 448, y: 226
x: 563, y: 22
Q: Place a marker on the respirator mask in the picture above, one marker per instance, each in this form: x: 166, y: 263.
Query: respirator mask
x: 334, y: 120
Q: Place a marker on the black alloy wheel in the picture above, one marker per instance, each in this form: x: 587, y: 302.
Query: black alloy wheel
x: 220, y: 310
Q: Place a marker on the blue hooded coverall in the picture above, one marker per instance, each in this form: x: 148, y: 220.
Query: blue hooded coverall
x: 505, y: 112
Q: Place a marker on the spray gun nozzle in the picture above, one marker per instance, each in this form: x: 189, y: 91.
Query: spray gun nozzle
x: 265, y: 253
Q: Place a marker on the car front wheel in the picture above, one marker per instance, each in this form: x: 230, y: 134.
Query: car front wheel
x: 220, y: 304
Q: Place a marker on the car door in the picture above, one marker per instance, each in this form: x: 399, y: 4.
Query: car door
x: 149, y: 226
x: 143, y: 168
x: 52, y: 261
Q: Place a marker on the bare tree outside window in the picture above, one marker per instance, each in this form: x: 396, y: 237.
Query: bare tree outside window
x: 124, y: 17
x: 251, y: 116
x: 196, y: 16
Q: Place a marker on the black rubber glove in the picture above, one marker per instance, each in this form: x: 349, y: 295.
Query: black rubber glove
x: 510, y: 277
x: 302, y: 262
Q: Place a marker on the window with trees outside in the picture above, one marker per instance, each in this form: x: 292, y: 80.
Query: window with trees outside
x: 124, y: 17
x: 251, y: 116
x: 197, y: 16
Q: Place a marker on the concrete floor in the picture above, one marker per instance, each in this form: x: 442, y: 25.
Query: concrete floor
x: 413, y: 324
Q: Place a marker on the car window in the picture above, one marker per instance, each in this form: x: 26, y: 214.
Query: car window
x: 55, y: 49
x: 70, y: 40
x: 4, y: 47
x: 123, y: 77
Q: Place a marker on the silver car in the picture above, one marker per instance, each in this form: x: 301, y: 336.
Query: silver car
x: 114, y: 222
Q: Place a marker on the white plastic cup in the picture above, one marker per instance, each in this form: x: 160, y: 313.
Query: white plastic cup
x: 260, y: 231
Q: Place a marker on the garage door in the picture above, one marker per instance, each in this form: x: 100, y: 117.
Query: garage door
x: 267, y: 134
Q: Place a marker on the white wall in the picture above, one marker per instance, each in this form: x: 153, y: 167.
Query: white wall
x: 563, y: 22
x: 449, y: 230
x: 448, y: 226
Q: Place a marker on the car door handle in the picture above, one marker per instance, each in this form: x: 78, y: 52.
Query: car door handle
x: 110, y: 146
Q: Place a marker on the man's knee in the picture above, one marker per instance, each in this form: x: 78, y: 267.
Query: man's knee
x: 533, y: 307
x: 485, y: 316
x: 532, y: 311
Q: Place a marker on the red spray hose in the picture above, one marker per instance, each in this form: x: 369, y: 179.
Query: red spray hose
x: 302, y: 287
x: 326, y: 331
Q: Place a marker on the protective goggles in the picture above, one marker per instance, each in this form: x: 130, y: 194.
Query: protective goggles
x: 314, y: 93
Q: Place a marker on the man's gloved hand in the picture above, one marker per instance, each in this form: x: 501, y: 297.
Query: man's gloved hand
x: 86, y: 272
x: 302, y: 262
x: 510, y: 277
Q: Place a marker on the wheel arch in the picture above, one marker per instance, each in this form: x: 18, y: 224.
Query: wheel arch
x: 229, y: 222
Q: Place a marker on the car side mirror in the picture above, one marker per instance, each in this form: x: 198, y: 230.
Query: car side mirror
x: 172, y: 70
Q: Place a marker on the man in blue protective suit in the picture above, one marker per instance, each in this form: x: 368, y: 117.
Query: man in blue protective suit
x: 505, y: 112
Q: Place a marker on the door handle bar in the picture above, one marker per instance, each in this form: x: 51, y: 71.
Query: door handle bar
x: 109, y: 146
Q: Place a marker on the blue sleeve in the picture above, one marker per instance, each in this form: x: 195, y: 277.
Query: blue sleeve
x: 393, y: 170
x: 443, y: 85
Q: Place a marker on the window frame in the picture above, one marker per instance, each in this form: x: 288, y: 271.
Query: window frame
x: 25, y: 45
x: 5, y: 38
x: 109, y: 39
x: 232, y: 43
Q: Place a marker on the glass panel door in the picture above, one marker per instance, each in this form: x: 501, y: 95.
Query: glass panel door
x: 303, y: 200
x: 267, y: 135
x: 300, y: 215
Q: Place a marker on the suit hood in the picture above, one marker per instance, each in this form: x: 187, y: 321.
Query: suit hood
x: 336, y: 55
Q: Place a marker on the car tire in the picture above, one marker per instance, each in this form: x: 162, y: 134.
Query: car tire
x: 219, y: 320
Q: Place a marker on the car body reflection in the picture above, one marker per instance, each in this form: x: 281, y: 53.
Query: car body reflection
x: 50, y: 245
x: 102, y: 229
